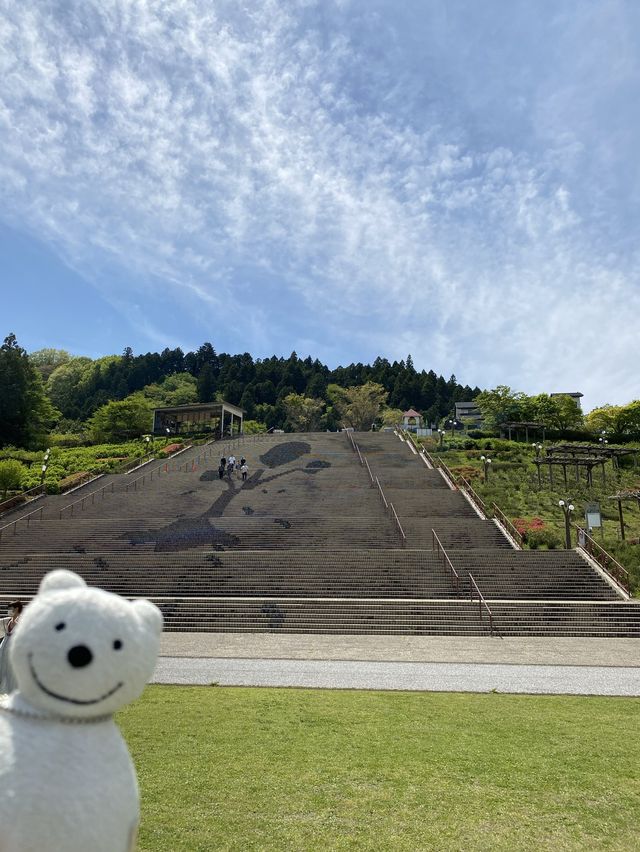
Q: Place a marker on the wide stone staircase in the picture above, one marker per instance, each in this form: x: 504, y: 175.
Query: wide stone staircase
x: 331, y: 533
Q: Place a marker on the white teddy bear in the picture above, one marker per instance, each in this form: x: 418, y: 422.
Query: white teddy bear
x: 67, y: 783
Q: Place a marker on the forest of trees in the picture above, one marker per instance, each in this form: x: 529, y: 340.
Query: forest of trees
x: 52, y: 393
x: 73, y: 389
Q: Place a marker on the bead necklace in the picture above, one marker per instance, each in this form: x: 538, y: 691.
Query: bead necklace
x: 43, y: 717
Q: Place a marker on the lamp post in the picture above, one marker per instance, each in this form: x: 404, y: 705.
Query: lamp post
x: 453, y: 424
x: 441, y: 433
x: 538, y: 449
x: 486, y: 463
x: 45, y: 465
x: 567, y: 508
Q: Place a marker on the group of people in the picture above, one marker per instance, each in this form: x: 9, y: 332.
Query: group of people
x: 7, y: 628
x: 229, y: 465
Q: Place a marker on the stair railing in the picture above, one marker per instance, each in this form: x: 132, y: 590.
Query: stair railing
x: 23, y: 497
x: 131, y: 484
x: 482, y: 604
x: 500, y: 516
x: 381, y: 492
x: 465, y: 485
x: 371, y: 477
x: 437, y: 545
x: 605, y: 560
x: 431, y: 459
x: 27, y: 518
x: 449, y: 475
x: 403, y: 538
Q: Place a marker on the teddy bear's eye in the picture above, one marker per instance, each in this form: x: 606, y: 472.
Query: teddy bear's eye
x: 61, y: 626
x: 117, y: 644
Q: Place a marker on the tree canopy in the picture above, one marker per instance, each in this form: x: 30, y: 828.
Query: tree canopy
x: 358, y: 407
x: 79, y: 386
x: 304, y: 414
x: 618, y: 421
x: 25, y: 410
x: 121, y: 419
x: 502, y: 405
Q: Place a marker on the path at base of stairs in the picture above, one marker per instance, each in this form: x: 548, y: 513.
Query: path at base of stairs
x: 427, y: 649
x: 418, y: 677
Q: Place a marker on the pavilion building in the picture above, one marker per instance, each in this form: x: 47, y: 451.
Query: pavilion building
x: 220, y: 418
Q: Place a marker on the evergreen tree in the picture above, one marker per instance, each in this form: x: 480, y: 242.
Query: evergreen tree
x: 25, y: 410
x: 206, y: 383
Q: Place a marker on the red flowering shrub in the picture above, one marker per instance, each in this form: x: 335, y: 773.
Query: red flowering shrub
x: 170, y: 448
x: 526, y: 525
x: 467, y: 471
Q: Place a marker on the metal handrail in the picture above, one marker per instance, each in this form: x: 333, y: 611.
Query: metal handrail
x: 158, y: 469
x: 604, y: 559
x: 448, y: 473
x: 359, y: 454
x: 133, y: 482
x: 500, y: 516
x: 384, y: 499
x: 439, y: 547
x: 430, y: 459
x: 26, y: 518
x: 82, y: 500
x: 411, y: 441
x: 22, y: 497
x: 366, y: 462
x: 130, y: 464
x: 466, y: 486
x: 403, y: 537
x: 481, y: 601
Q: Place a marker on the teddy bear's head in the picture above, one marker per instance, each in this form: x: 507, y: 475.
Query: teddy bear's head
x: 82, y: 652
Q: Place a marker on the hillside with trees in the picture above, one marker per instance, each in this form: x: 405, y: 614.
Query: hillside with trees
x: 109, y: 398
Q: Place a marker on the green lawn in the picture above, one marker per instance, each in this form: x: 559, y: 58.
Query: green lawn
x: 273, y: 769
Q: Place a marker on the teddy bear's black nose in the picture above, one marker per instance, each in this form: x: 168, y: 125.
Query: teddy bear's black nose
x: 79, y: 656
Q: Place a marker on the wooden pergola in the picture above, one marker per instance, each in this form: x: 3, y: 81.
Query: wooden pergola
x: 586, y: 462
x: 574, y: 450
x: 519, y: 425
x: 626, y: 494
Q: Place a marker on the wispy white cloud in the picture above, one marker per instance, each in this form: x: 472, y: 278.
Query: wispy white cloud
x: 291, y: 176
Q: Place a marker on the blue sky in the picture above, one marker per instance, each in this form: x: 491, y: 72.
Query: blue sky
x: 459, y: 180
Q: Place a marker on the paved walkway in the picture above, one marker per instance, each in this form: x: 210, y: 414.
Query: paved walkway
x: 426, y: 663
x: 432, y: 677
x: 423, y: 649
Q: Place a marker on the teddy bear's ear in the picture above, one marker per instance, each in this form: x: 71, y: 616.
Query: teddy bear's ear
x: 60, y: 579
x: 149, y: 614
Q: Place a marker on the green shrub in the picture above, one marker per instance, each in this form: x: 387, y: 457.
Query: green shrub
x: 545, y: 537
x: 11, y: 476
x: 68, y: 439
x: 74, y: 479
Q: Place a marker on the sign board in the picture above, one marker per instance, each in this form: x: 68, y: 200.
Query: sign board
x: 592, y: 516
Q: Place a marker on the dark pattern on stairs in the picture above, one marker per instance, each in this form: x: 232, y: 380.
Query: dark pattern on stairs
x: 321, y: 555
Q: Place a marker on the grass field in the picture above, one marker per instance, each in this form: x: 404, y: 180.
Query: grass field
x: 268, y: 769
